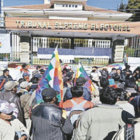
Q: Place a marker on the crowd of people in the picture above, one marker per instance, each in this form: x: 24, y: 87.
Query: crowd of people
x: 110, y: 112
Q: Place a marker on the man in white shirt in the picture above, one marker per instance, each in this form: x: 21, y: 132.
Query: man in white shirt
x: 10, y: 127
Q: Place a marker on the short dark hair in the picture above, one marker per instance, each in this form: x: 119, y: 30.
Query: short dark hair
x: 114, y: 69
x: 80, y: 81
x: 42, y: 70
x: 77, y: 91
x: 108, y: 96
x: 38, y: 67
x: 24, y: 65
x: 34, y: 80
x: 4, y: 71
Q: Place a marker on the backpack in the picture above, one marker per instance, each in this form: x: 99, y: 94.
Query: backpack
x: 76, y: 110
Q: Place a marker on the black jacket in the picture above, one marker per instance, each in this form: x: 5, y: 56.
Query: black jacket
x: 48, y: 124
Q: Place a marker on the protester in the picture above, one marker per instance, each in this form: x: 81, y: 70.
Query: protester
x: 137, y: 87
x: 26, y: 77
x: 25, y: 87
x: 102, y: 121
x: 48, y: 122
x: 10, y: 127
x: 136, y: 74
x: 77, y: 103
x: 95, y: 75
x: 80, y: 82
x: 5, y: 78
x: 24, y: 69
x: 15, y: 110
x: 36, y: 73
x: 104, y: 78
x: 42, y: 71
x: 122, y: 101
x: 68, y: 80
x: 135, y: 101
x: 77, y: 114
x: 10, y: 94
x: 26, y: 102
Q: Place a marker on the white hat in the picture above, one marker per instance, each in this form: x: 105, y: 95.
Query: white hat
x: 10, y: 85
x: 25, y: 84
x: 5, y: 107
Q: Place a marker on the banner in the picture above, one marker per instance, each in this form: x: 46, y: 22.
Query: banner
x: 5, y: 43
x: 0, y: 6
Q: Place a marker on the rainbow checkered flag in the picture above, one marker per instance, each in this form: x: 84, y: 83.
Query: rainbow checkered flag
x: 82, y: 73
x: 51, y: 78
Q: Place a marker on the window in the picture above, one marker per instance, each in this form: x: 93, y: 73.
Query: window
x: 66, y: 5
x: 76, y: 6
x: 72, y: 5
x: 69, y: 5
x: 63, y: 5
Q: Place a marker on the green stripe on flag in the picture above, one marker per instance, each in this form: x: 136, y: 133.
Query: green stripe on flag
x: 48, y: 77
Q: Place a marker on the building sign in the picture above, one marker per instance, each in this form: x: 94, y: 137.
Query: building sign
x: 5, y: 43
x: 71, y: 26
x: 24, y: 47
x: 119, y: 51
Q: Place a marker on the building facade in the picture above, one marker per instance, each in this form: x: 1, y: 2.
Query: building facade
x: 81, y: 32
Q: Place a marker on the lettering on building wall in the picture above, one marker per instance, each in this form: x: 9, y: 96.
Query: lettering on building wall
x: 71, y: 26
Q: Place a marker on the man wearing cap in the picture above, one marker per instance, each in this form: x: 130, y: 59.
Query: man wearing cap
x: 80, y: 83
x: 48, y: 120
x: 36, y: 73
x: 25, y: 87
x: 10, y: 127
x: 26, y: 101
x: 26, y: 77
x: 10, y: 94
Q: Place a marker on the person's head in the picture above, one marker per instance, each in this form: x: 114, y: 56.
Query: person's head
x: 49, y: 95
x: 127, y: 67
x: 108, y: 96
x: 137, y: 71
x: 104, y: 69
x: 94, y: 68
x: 42, y: 71
x: 6, y: 72
x: 11, y: 86
x: 114, y: 70
x: 21, y: 80
x: 118, y: 71
x: 122, y: 94
x: 69, y: 76
x: 80, y: 81
x: 6, y: 110
x: 26, y: 76
x: 25, y: 66
x: 35, y: 80
x: 77, y: 91
x: 25, y: 85
x: 138, y: 79
x: 38, y: 67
